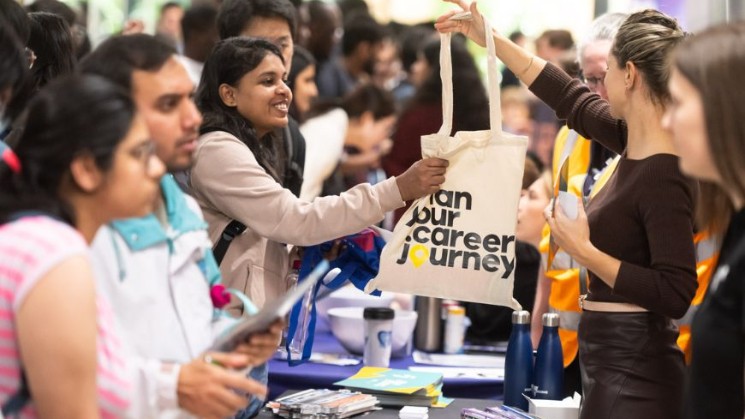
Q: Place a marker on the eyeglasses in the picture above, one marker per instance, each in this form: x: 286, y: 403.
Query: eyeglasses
x: 143, y: 152
x: 594, y: 81
x: 30, y: 57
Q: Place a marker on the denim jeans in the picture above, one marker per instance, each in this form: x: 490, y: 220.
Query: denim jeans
x: 260, y: 374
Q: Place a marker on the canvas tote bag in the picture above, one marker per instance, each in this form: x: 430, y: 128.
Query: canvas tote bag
x: 459, y: 243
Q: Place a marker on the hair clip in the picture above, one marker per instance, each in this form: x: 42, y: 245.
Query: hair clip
x: 9, y: 157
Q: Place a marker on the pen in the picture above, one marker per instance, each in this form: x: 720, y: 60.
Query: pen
x: 243, y: 371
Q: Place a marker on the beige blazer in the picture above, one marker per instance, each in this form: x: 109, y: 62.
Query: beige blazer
x: 228, y: 183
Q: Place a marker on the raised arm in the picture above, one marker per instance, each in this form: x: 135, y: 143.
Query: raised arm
x: 520, y: 61
x: 585, y: 112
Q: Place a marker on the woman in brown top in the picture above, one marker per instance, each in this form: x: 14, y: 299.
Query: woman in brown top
x: 636, y: 239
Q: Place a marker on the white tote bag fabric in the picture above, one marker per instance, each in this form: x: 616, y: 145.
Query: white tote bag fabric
x: 459, y: 243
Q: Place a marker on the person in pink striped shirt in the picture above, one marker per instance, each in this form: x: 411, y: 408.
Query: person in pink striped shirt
x: 84, y: 159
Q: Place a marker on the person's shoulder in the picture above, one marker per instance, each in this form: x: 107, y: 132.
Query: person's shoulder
x: 45, y: 232
x: 659, y: 177
x: 218, y: 142
x: 216, y: 136
x: 32, y: 245
x: 660, y: 167
x: 335, y: 118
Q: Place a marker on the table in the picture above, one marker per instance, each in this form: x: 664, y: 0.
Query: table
x: 283, y: 377
x: 450, y: 412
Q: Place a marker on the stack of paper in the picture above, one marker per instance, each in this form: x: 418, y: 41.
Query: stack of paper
x: 323, y: 404
x: 397, y: 387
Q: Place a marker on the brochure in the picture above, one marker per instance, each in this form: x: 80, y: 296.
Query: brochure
x: 277, y: 309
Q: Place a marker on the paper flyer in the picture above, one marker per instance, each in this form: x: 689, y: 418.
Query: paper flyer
x: 560, y: 185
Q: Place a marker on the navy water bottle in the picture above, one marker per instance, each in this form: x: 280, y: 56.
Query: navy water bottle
x: 549, y: 363
x: 518, y: 363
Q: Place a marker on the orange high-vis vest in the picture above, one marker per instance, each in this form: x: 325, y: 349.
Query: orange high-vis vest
x: 707, y: 254
x: 578, y: 155
x: 565, y: 282
x: 564, y: 296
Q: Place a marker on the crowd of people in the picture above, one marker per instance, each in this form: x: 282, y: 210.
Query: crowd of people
x: 156, y: 188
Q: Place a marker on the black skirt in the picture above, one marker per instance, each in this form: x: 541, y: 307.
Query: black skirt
x: 631, y: 366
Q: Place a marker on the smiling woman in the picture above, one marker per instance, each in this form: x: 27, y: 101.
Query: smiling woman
x: 261, y: 96
x: 243, y: 92
x: 239, y: 155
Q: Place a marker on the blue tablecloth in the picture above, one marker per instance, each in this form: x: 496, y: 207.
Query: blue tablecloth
x: 282, y: 377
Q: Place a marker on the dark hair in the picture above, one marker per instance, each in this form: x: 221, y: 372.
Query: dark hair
x: 412, y: 41
x: 646, y: 38
x: 365, y: 97
x: 13, y: 70
x: 51, y: 41
x: 569, y: 63
x: 470, y: 103
x: 231, y: 59
x: 516, y: 35
x: 169, y: 5
x: 359, y: 30
x: 558, y: 38
x: 54, y: 7
x: 322, y: 25
x: 119, y: 56
x: 369, y: 98
x: 56, y: 133
x: 235, y: 15
x: 198, y: 19
x: 301, y: 60
x: 712, y: 62
x: 80, y: 40
x: 17, y: 18
x: 350, y: 8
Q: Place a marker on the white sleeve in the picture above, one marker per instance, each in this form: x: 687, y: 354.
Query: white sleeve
x: 154, y: 392
x: 154, y: 383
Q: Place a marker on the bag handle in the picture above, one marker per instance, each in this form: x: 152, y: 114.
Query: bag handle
x: 492, y: 76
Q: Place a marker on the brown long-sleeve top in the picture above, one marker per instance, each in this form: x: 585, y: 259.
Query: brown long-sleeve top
x: 644, y: 214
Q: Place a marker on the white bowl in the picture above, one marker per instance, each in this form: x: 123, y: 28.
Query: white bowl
x: 349, y: 296
x: 347, y: 325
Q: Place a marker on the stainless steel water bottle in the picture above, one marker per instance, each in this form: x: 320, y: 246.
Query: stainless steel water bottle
x: 518, y: 363
x: 428, y: 332
x: 549, y: 364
